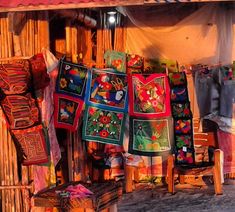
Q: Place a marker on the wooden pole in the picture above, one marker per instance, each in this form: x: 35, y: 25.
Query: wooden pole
x: 68, y: 39
x: 170, y: 173
x: 216, y: 172
x: 69, y: 155
x: 2, y: 141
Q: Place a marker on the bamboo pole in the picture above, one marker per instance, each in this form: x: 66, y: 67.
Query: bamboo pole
x: 31, y: 34
x: 2, y: 161
x: 10, y: 187
x: 5, y: 132
x: 88, y: 53
x: 36, y: 33
x: 9, y: 40
x: 2, y: 36
x: 44, y: 27
x: 10, y: 180
x: 5, y: 158
x: 68, y: 39
x: 18, y: 199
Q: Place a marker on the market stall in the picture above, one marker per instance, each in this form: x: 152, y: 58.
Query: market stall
x: 110, y: 97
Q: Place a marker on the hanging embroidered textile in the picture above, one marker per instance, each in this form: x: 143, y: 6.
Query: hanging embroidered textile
x: 102, y: 125
x: 40, y: 77
x: 179, y: 94
x: 18, y: 81
x: 183, y: 127
x: 183, y: 141
x: 177, y: 79
x: 107, y: 90
x: 135, y: 63
x: 149, y: 96
x: 150, y: 137
x: 115, y: 60
x: 15, y: 77
x: 71, y: 79
x: 20, y: 111
x: 159, y: 65
x: 33, y: 143
x: 67, y: 111
x: 181, y: 110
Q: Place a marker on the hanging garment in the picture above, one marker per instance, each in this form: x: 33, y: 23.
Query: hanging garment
x: 227, y: 98
x: 48, y: 105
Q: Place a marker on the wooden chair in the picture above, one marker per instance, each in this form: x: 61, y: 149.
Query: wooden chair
x: 204, y: 168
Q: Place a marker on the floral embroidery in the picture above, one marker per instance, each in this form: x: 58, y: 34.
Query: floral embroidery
x: 103, y: 125
x: 149, y: 96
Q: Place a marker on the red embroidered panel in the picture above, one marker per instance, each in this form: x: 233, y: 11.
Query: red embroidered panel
x: 149, y: 96
x: 33, y: 144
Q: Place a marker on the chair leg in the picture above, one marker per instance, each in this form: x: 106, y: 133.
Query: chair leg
x: 170, y: 174
x: 128, y: 178
x: 217, y: 173
x: 182, y: 179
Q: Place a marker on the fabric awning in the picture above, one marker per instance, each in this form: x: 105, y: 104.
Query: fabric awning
x: 27, y: 5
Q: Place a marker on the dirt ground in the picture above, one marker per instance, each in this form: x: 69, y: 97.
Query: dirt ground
x: 149, y: 197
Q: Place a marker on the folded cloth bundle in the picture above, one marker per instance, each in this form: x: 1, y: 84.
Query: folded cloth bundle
x: 76, y: 191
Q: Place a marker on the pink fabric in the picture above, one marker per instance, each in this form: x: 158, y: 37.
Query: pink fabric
x: 48, y: 118
x: 227, y: 145
x: 41, y: 176
x: 78, y: 191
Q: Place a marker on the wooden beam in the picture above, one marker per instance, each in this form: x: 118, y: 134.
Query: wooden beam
x: 75, y: 15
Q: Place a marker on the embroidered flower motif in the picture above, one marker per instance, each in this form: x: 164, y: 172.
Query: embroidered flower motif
x: 155, y: 103
x: 63, y: 83
x: 154, y: 137
x: 140, y: 147
x: 186, y: 111
x: 105, y: 119
x: 104, y: 133
x: 120, y: 116
x: 91, y: 110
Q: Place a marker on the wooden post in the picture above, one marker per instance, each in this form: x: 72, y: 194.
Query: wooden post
x: 128, y: 178
x: 136, y: 174
x: 170, y: 174
x: 69, y: 153
x: 181, y: 179
x: 216, y: 172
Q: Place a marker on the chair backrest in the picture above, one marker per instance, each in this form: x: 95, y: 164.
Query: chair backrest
x: 205, y: 141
